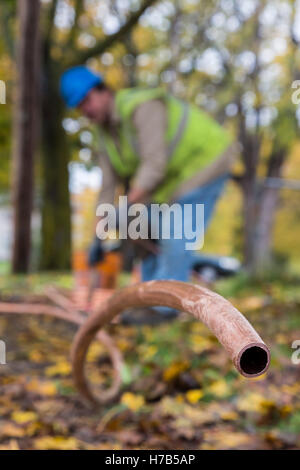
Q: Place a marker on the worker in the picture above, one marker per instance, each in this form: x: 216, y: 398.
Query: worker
x: 163, y: 150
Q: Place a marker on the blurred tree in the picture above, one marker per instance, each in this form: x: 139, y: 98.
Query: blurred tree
x: 25, y: 130
x: 70, y: 35
x: 240, y: 65
x: 60, y: 50
x: 266, y: 118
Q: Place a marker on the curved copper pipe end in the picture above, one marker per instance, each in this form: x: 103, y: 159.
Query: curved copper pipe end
x: 249, y: 353
x: 253, y: 360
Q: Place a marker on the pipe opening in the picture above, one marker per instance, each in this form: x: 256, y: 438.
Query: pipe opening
x: 254, y: 360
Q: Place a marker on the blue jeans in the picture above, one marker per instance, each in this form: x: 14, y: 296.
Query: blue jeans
x: 174, y: 261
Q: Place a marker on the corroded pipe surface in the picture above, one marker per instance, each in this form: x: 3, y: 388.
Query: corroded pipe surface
x: 247, y: 350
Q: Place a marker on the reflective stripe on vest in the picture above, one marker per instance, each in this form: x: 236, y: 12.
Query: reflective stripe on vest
x: 173, y: 144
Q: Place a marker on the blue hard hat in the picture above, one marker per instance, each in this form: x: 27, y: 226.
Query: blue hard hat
x: 76, y: 82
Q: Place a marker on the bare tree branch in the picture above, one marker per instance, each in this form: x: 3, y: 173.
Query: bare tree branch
x: 109, y: 40
x: 79, y: 6
x: 50, y: 22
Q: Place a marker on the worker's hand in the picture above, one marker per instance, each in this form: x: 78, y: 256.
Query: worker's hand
x: 96, y: 252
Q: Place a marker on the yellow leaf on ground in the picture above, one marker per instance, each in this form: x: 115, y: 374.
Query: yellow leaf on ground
x: 36, y: 356
x: 95, y: 351
x: 293, y: 389
x: 200, y: 344
x: 251, y: 303
x: 147, y: 351
x: 46, y: 388
x: 229, y: 416
x: 254, y: 402
x: 259, y: 378
x: 56, y: 443
x: 281, y: 338
x: 132, y: 401
x: 174, y: 370
x: 61, y: 368
x: 22, y: 417
x: 193, y: 396
x: 124, y: 344
x: 33, y: 428
x: 225, y: 439
x: 197, y: 327
x: 219, y: 388
x: 179, y: 398
x: 194, y: 415
x: 286, y: 410
x: 171, y: 406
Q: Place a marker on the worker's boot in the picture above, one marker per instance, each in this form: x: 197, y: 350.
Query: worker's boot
x: 147, y: 316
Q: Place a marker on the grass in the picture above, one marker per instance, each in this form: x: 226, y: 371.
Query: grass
x: 33, y: 283
x: 283, y: 286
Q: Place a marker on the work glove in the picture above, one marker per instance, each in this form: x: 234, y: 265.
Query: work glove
x: 95, y: 253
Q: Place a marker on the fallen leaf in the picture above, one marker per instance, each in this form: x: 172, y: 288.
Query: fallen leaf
x: 44, y: 387
x: 219, y: 388
x: 56, y: 443
x: 132, y: 401
x: 174, y: 370
x: 193, y: 396
x: 61, y: 368
x: 22, y: 417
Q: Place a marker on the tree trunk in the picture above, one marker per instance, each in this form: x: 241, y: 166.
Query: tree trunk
x: 267, y: 205
x: 250, y: 156
x: 249, y: 218
x: 262, y: 248
x: 56, y: 210
x: 25, y: 131
x: 260, y: 204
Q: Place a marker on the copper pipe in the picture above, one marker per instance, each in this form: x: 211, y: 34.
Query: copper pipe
x: 58, y: 298
x: 248, y: 352
x: 79, y: 319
